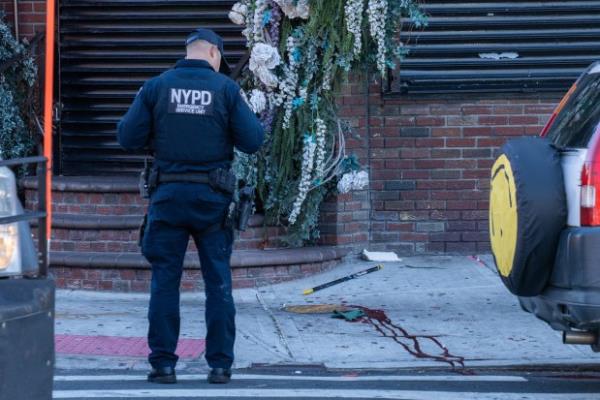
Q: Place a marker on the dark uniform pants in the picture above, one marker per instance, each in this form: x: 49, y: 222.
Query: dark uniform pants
x: 176, y: 211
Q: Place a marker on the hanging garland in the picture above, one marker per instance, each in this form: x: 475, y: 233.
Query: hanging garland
x: 17, y: 79
x: 300, y: 50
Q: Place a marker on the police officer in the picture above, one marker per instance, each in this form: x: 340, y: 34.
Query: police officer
x: 191, y: 117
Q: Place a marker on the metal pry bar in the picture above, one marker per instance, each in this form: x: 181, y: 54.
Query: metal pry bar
x: 344, y: 279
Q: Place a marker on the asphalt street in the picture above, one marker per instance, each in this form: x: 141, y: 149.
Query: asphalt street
x: 564, y: 383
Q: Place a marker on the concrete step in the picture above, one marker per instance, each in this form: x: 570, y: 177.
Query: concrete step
x: 128, y: 271
x: 89, y: 232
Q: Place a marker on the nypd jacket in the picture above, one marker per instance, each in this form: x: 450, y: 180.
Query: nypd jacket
x: 191, y: 117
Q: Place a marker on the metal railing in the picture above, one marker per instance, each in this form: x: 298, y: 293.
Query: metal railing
x: 40, y: 215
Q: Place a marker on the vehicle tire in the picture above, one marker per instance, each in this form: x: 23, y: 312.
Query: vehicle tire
x: 528, y: 211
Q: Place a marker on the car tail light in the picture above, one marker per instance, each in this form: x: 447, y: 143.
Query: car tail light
x: 590, y: 184
x: 10, y: 257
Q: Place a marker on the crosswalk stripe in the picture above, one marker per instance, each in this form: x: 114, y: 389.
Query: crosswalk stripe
x: 373, y: 378
x: 308, y: 393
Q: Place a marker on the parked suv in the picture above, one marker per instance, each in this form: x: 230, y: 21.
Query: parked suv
x: 569, y: 295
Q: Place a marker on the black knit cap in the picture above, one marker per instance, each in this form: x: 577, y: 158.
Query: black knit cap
x: 211, y: 37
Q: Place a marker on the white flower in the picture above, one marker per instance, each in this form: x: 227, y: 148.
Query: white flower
x: 294, y: 8
x: 360, y: 181
x: 377, y: 12
x: 258, y: 101
x: 327, y: 77
x: 264, y: 55
x: 275, y: 100
x: 240, y: 8
x: 353, y: 11
x: 353, y: 181
x: 257, y: 23
x: 320, y: 133
x: 238, y: 12
x: 268, y: 78
x: 288, y: 87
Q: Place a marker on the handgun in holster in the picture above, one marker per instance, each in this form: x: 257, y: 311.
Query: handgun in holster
x: 142, y: 230
x: 147, y: 184
x: 245, y: 207
x: 143, y: 183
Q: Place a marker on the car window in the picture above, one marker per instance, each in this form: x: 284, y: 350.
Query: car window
x: 577, y: 121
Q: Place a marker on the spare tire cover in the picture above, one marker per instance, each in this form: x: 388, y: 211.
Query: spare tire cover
x: 528, y: 210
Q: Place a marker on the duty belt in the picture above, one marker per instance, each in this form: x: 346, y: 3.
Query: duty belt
x: 196, y: 177
x: 219, y: 179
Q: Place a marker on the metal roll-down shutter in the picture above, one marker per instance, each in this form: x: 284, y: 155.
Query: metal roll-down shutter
x: 107, y: 50
x: 499, y: 46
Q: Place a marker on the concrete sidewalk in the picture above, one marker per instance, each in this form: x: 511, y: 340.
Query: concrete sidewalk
x: 456, y: 299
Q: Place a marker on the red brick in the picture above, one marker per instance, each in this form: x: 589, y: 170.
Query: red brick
x: 493, y: 120
x: 32, y: 18
x: 509, y: 130
x: 446, y: 174
x: 460, y: 142
x: 432, y: 184
x: 476, y: 110
x: 24, y: 7
x: 399, y: 121
x: 39, y: 7
x: 463, y: 120
x: 539, y: 109
x: 429, y: 164
x: 415, y: 153
x: 431, y: 121
x: 445, y: 132
x: 467, y: 184
x: 414, y: 237
x: 477, y: 131
x: 505, y: 109
x: 523, y: 120
x: 431, y: 205
x: 461, y: 247
x: 490, y: 142
x: 429, y: 142
x: 464, y: 164
x: 445, y: 153
x: 461, y: 205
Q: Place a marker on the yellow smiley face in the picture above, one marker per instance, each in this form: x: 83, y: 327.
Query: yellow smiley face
x: 503, y: 215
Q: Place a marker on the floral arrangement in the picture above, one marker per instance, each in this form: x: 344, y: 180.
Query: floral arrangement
x: 300, y: 50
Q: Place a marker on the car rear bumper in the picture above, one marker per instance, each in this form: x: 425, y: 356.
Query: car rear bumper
x: 26, y: 338
x: 572, y: 297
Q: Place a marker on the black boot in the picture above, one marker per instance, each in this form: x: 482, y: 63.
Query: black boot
x: 162, y: 375
x: 219, y: 375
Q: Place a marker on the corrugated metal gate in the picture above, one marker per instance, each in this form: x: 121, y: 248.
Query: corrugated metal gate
x: 500, y: 46
x: 107, y: 50
x: 110, y: 47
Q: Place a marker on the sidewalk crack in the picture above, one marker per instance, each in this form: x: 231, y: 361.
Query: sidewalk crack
x: 278, y: 329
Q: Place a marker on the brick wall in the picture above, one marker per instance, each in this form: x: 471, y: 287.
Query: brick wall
x: 344, y: 220
x: 430, y: 158
x: 32, y: 16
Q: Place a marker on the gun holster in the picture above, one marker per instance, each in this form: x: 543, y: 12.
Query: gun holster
x: 143, y: 182
x: 245, y: 205
x: 148, y: 180
x: 142, y: 230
